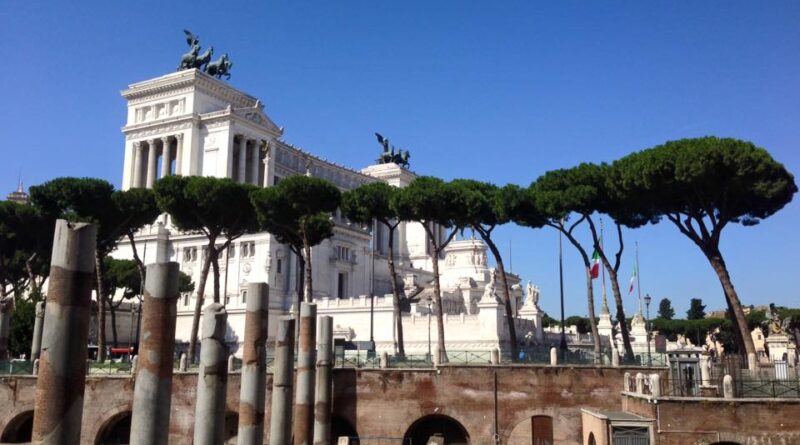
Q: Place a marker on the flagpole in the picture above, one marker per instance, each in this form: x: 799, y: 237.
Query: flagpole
x: 638, y: 278
x: 602, y: 268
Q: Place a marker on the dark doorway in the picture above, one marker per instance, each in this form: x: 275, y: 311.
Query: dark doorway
x: 19, y: 429
x: 116, y: 431
x: 446, y: 429
x: 340, y: 427
x: 231, y: 427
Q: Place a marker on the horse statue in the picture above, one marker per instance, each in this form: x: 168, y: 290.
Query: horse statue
x: 220, y: 67
x: 204, y: 59
x: 189, y: 59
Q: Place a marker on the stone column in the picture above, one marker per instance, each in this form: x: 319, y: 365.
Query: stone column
x: 137, y: 165
x: 306, y: 353
x: 280, y: 426
x: 324, y: 392
x: 242, y: 160
x: 166, y: 156
x: 62, y: 365
x: 255, y: 162
x: 153, y: 389
x: 152, y: 159
x: 212, y: 380
x: 178, y: 153
x: 6, y: 307
x: 38, y: 325
x: 267, y: 157
x: 254, y: 366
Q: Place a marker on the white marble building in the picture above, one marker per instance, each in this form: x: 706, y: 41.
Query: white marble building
x: 189, y: 123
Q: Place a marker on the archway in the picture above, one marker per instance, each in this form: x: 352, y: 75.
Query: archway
x: 592, y: 441
x: 542, y: 429
x: 116, y: 431
x: 448, y: 430
x: 19, y: 429
x: 231, y: 427
x: 341, y: 427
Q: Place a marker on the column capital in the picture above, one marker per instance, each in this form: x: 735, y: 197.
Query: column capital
x: 151, y: 141
x: 137, y: 145
x: 165, y: 139
x: 179, y: 137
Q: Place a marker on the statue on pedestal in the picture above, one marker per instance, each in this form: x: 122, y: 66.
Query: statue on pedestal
x: 194, y: 60
x: 389, y: 155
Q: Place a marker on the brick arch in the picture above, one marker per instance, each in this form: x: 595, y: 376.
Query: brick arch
x: 12, y: 431
x: 92, y: 433
x: 725, y: 439
x: 439, y: 422
x: 521, y: 431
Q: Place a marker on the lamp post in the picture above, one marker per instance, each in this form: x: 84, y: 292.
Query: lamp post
x: 647, y: 301
x: 429, y: 328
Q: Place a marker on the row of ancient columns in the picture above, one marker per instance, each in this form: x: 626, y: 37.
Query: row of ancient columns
x: 146, y: 155
x: 61, y: 381
x: 248, y: 164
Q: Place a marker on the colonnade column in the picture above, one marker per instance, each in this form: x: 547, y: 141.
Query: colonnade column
x: 255, y: 162
x: 242, y: 159
x: 152, y: 158
x: 137, y: 164
x: 267, y: 156
x: 165, y: 157
x: 178, y: 153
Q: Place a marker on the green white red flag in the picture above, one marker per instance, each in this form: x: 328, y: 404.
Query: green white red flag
x: 595, y: 264
x: 633, y: 281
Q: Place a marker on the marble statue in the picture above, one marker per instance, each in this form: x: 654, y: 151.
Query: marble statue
x: 533, y: 294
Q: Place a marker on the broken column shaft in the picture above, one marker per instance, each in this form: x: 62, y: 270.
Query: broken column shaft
x: 306, y: 362
x: 322, y: 405
x: 254, y: 366
x: 38, y: 325
x: 280, y: 426
x: 62, y: 363
x: 153, y: 390
x: 212, y: 380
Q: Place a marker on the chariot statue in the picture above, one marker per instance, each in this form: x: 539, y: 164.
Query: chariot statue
x: 193, y: 59
x: 389, y: 155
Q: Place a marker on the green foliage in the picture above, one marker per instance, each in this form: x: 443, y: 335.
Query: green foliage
x: 728, y: 180
x: 427, y: 200
x: 368, y: 202
x: 697, y: 310
x: 579, y: 189
x: 581, y: 323
x: 665, y: 309
x: 297, y: 211
x: 695, y: 329
x: 124, y: 275
x: 25, y: 235
x: 22, y: 320
x: 212, y: 206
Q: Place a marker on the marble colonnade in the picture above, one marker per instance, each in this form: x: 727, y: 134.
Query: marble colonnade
x: 248, y: 162
x: 146, y: 156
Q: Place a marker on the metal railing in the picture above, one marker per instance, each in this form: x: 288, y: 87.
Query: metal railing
x: 110, y: 368
x: 769, y: 389
x: 16, y: 367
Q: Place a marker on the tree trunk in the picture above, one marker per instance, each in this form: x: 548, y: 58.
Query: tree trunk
x: 198, y: 306
x: 623, y: 323
x: 139, y: 262
x: 735, y: 306
x: 215, y: 267
x: 592, y: 320
x: 34, y: 286
x: 309, y: 290
x: 437, y: 296
x: 398, y: 319
x: 101, y: 308
x: 113, y: 311
x: 301, y: 271
x: 512, y: 329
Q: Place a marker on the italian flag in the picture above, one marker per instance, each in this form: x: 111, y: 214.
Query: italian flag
x: 633, y: 281
x: 595, y: 264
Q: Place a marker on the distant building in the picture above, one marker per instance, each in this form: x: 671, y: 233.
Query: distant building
x: 19, y: 195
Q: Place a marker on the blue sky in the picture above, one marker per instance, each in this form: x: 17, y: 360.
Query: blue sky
x: 497, y: 91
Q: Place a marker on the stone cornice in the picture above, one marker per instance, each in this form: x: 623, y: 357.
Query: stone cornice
x: 184, y: 81
x: 160, y: 127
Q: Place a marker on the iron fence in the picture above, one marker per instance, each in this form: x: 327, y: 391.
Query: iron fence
x: 110, y: 368
x: 16, y: 367
x: 411, y: 361
x: 769, y: 389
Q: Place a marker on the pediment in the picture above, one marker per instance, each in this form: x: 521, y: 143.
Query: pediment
x: 257, y: 116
